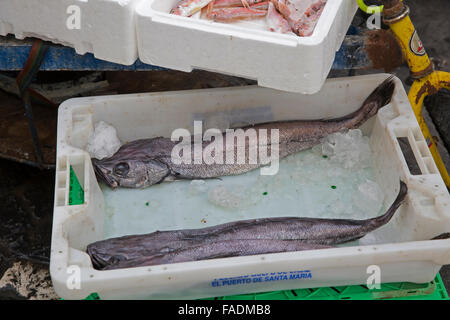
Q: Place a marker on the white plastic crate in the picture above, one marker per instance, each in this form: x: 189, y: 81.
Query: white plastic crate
x: 409, y: 257
x: 107, y: 27
x: 245, y: 49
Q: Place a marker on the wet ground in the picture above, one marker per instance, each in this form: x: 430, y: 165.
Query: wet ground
x: 26, y: 193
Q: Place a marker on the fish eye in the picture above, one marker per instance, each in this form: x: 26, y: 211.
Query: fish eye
x: 121, y: 169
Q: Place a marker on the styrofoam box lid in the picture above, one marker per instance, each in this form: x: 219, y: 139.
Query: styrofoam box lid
x: 106, y: 27
x: 245, y: 49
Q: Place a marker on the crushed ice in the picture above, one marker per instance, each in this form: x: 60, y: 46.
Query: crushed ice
x: 103, y: 141
x: 349, y: 149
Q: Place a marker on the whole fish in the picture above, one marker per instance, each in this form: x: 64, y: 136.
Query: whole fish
x: 235, y: 13
x: 216, y: 250
x: 235, y: 3
x: 145, y: 162
x: 246, y: 237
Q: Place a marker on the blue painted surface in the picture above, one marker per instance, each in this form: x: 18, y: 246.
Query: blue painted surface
x: 352, y: 54
x: 13, y: 57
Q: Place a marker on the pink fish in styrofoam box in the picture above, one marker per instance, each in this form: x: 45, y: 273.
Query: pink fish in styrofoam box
x: 276, y: 22
x: 302, y: 15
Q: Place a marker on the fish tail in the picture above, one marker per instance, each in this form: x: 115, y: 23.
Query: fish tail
x: 385, y: 218
x: 380, y: 97
x: 442, y: 236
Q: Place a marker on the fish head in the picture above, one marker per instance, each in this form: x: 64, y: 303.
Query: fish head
x: 130, y: 173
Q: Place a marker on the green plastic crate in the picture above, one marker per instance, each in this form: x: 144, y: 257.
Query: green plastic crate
x: 434, y: 290
x: 76, y: 192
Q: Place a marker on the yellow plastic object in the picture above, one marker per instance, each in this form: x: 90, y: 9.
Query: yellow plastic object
x: 428, y: 80
x: 365, y: 7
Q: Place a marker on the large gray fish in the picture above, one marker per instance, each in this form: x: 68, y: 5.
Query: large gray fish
x: 255, y: 236
x: 145, y: 162
x: 216, y: 250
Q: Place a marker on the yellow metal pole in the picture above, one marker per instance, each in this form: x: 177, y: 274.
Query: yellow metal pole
x: 428, y: 81
x: 421, y: 88
x: 412, y: 47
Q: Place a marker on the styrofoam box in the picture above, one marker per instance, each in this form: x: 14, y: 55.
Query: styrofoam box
x: 425, y: 213
x: 107, y: 27
x: 245, y: 49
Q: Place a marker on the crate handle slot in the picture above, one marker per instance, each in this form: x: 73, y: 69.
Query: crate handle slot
x: 409, y: 156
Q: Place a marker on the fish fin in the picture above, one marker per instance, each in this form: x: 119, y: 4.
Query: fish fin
x: 213, y: 178
x: 442, y: 236
x: 223, y: 255
x: 241, y: 124
x: 175, y: 177
x: 170, y: 178
x: 382, y: 95
x: 164, y: 178
x: 379, y: 98
x: 179, y: 176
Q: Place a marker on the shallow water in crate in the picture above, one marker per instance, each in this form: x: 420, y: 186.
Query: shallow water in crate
x: 333, y: 180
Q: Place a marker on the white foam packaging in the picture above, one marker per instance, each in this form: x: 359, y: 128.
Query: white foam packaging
x: 107, y: 27
x: 406, y: 255
x: 245, y: 49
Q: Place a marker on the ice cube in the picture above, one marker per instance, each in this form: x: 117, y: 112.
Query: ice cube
x: 317, y: 150
x: 103, y: 141
x: 350, y: 149
x: 369, y: 198
x: 197, y: 187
